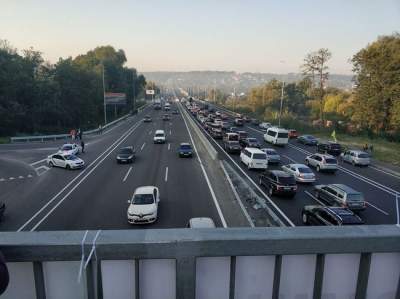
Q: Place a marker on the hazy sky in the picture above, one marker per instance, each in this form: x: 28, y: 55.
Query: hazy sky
x: 256, y: 36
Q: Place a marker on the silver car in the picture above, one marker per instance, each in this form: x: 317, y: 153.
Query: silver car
x: 356, y: 157
x: 322, y: 162
x: 272, y: 155
x: 302, y: 173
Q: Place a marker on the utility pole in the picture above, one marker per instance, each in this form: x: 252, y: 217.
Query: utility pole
x: 104, y: 99
x: 280, y: 110
x: 134, y: 91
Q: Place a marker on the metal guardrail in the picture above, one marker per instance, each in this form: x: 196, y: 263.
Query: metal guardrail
x: 67, y: 136
x: 301, y: 262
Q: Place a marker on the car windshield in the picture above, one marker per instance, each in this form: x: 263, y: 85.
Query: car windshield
x: 330, y: 161
x: 355, y: 197
x: 335, y: 146
x: 252, y: 140
x: 271, y: 152
x: 143, y: 199
x: 71, y: 157
x: 159, y: 134
x: 186, y: 147
x: 233, y: 143
x: 309, y: 137
x: 125, y: 151
x: 286, y: 180
x: 282, y: 135
x: 363, y: 156
x: 260, y: 156
x: 304, y: 170
x: 67, y: 147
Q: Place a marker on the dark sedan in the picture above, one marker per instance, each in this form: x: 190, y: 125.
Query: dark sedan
x: 185, y: 150
x: 232, y: 147
x: 322, y: 215
x: 250, y: 142
x: 307, y: 140
x: 126, y: 155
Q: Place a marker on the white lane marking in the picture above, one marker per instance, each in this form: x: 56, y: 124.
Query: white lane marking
x: 127, y: 173
x: 313, y: 197
x: 170, y: 132
x: 115, y: 145
x: 251, y: 180
x: 290, y: 159
x: 150, y: 132
x: 397, y: 209
x: 38, y: 162
x: 21, y: 177
x: 385, y: 172
x: 11, y: 178
x: 2, y: 179
x: 246, y: 214
x: 169, y: 146
x: 378, y: 209
x: 143, y: 146
x: 221, y: 216
x: 166, y: 174
x: 30, y: 176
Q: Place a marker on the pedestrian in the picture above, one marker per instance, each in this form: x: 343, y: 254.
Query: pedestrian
x: 365, y: 148
x: 4, y: 275
x: 371, y: 148
x: 80, y: 134
x: 100, y: 129
x: 73, y: 133
x: 78, y: 131
x: 82, y: 146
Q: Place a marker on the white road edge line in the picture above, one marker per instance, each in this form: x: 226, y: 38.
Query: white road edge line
x: 246, y: 214
x: 127, y: 173
x: 290, y: 159
x: 385, y: 172
x: 252, y: 181
x: 166, y: 174
x: 143, y: 146
x: 221, y: 216
x: 169, y: 146
x: 170, y: 132
x: 398, y: 211
x: 38, y: 162
x: 150, y: 132
x: 378, y: 209
x: 127, y: 133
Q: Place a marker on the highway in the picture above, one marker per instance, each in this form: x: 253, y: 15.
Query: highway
x: 96, y: 196
x: 379, y: 187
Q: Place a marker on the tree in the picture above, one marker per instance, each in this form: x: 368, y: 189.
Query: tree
x: 315, y: 64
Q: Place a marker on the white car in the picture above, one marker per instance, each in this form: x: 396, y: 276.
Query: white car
x: 143, y: 206
x: 322, y: 162
x: 356, y: 157
x: 264, y: 126
x: 65, y: 161
x: 277, y: 136
x: 159, y: 136
x: 272, y: 155
x: 254, y: 158
x: 302, y: 173
x: 69, y: 149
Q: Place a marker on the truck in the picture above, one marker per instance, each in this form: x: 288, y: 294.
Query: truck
x: 157, y: 104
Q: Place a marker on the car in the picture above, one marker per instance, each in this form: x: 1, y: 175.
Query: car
x: 231, y: 137
x: 322, y: 162
x: 278, y: 182
x: 159, y: 136
x: 255, y: 122
x: 143, y: 206
x: 185, y: 150
x: 276, y: 136
x: 126, y: 154
x: 233, y: 129
x: 224, y: 125
x: 65, y: 161
x: 254, y: 158
x: 175, y: 111
x: 69, y: 149
x: 224, y: 116
x: 293, y: 134
x: 216, y: 133
x: 329, y: 147
x: 239, y: 122
x: 246, y: 119
x: 272, y: 155
x: 232, y: 146
x: 302, y: 173
x: 166, y: 117
x: 242, y: 135
x: 250, y: 142
x: 2, y: 210
x: 147, y: 119
x: 264, y: 126
x: 201, y: 222
x: 341, y: 195
x: 322, y: 215
x: 307, y: 140
x: 356, y: 157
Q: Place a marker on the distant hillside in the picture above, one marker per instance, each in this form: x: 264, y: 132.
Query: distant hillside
x: 227, y: 81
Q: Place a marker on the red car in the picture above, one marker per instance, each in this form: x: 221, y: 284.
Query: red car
x: 293, y: 134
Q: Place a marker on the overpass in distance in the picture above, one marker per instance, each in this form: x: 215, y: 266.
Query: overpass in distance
x: 49, y: 210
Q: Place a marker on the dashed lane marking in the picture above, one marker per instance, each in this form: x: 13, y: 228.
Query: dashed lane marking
x: 143, y: 146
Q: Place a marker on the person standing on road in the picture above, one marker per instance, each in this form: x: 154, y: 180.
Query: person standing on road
x: 80, y: 134
x: 100, y: 129
x: 73, y: 133
x: 82, y: 146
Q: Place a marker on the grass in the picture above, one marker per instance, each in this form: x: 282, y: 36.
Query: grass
x: 4, y: 140
x: 384, y: 150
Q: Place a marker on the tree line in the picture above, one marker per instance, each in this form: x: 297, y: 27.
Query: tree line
x: 371, y: 106
x: 37, y: 97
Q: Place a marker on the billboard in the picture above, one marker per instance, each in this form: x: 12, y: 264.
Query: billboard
x: 113, y: 98
x: 150, y: 91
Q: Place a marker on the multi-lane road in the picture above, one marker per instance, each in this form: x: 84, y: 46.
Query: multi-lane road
x: 42, y: 198
x: 379, y: 187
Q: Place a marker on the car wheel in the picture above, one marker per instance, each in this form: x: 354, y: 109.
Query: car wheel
x: 318, y: 168
x: 68, y: 167
x: 271, y: 191
x: 304, y: 218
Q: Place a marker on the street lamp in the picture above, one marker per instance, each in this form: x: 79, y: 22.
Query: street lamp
x: 280, y: 110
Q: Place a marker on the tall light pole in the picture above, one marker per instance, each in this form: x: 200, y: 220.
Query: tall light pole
x: 104, y: 98
x: 134, y: 91
x: 280, y: 110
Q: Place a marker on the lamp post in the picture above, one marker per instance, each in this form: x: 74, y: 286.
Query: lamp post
x: 280, y: 110
x: 104, y: 97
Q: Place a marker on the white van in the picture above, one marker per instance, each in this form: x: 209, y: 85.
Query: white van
x: 159, y: 136
x: 277, y: 136
x: 254, y: 158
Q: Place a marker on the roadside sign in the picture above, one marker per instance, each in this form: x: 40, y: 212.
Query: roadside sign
x: 150, y: 91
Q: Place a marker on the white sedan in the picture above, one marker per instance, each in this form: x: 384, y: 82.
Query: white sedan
x: 301, y: 172
x: 69, y: 149
x: 65, y: 161
x: 143, y: 206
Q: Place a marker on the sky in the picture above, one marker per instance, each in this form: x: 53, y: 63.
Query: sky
x: 225, y: 35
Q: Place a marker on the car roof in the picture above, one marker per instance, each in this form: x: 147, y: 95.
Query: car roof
x: 159, y: 131
x: 298, y: 165
x: 68, y: 144
x: 358, y: 152
x: 127, y: 147
x: 278, y: 130
x: 185, y: 143
x: 324, y: 156
x: 281, y: 173
x: 201, y: 222
x: 346, y: 188
x: 144, y: 190
x: 254, y: 150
